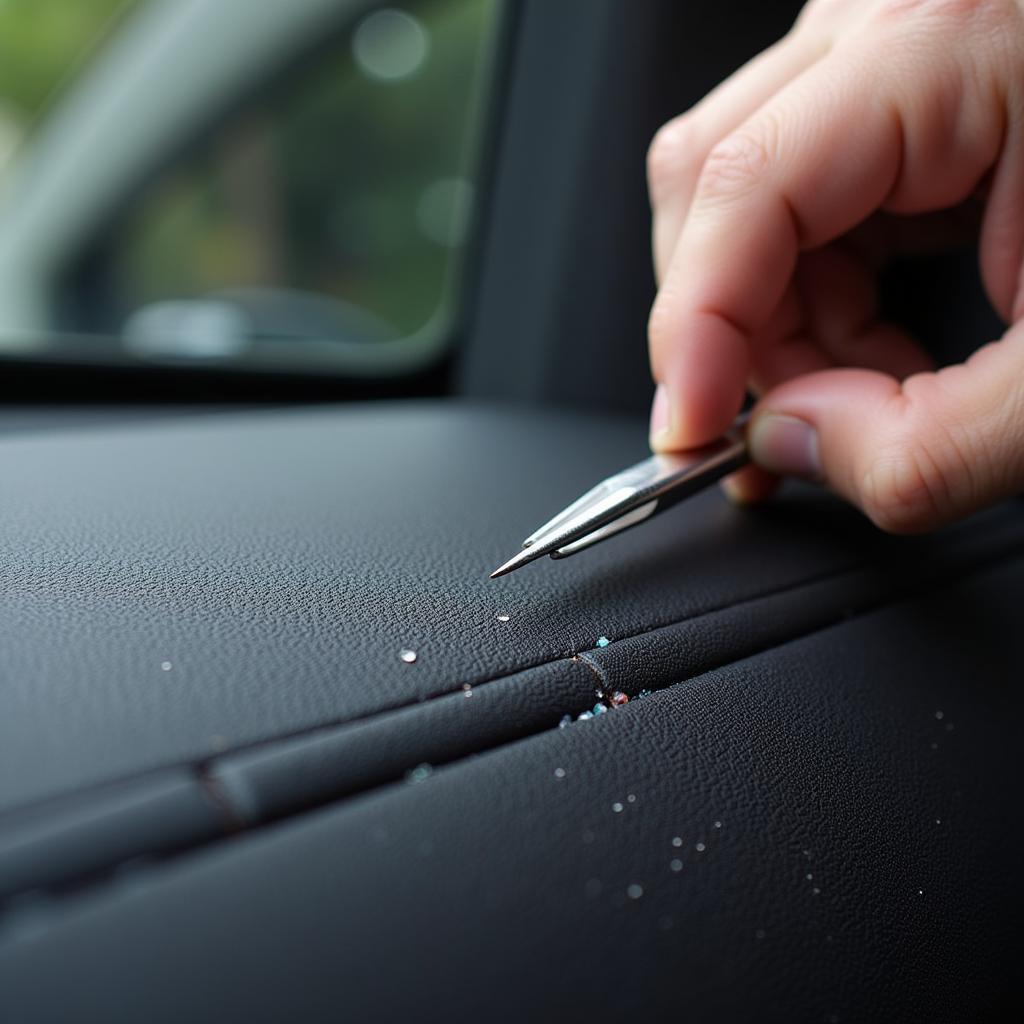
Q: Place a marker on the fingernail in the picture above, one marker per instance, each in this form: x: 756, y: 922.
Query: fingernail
x: 660, y: 416
x: 785, y: 445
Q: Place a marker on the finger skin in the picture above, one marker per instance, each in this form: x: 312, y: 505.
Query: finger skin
x: 681, y: 146
x: 750, y: 485
x: 914, y: 455
x: 856, y: 132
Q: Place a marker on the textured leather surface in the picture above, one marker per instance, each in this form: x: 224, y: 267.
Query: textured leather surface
x: 864, y: 868
x: 279, y: 562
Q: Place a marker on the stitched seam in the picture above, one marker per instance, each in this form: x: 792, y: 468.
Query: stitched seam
x: 1014, y: 552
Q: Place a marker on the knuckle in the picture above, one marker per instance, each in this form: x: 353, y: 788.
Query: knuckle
x: 659, y: 330
x: 672, y: 149
x: 818, y: 11
x: 737, y: 164
x: 920, y: 479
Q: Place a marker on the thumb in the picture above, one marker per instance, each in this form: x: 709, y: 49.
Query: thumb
x: 912, y: 454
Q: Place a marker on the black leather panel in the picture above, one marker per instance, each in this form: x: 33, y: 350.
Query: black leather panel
x: 72, y: 839
x: 866, y: 866
x: 279, y: 561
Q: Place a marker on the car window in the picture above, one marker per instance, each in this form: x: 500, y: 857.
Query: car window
x: 314, y: 218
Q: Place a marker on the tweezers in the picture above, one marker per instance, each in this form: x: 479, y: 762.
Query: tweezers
x: 633, y: 496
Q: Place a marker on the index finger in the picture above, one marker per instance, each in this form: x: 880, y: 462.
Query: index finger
x: 812, y: 163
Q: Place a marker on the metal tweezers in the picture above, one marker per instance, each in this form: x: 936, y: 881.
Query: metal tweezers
x: 633, y: 496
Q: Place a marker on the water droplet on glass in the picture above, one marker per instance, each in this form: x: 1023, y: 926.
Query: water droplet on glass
x: 502, y: 617
x: 617, y: 807
x: 939, y: 715
x: 718, y: 824
x: 700, y: 847
x: 420, y: 773
x: 677, y: 840
x: 559, y: 773
x: 407, y: 656
x: 631, y: 798
x: 634, y: 891
x: 675, y: 864
x: 603, y: 641
x: 166, y: 666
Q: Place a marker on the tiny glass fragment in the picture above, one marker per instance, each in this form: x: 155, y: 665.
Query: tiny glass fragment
x: 565, y: 721
x: 420, y: 773
x: 603, y: 641
x: 407, y: 655
x: 502, y: 617
x: 599, y: 708
x: 585, y: 716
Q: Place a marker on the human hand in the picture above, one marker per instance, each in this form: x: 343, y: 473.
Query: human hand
x: 774, y: 199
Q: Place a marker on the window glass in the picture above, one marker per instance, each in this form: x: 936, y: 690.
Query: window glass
x: 315, y: 218
x: 42, y: 45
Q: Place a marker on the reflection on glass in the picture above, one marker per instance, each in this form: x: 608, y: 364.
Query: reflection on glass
x: 390, y: 45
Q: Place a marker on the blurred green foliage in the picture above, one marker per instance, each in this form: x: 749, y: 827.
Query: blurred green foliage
x: 44, y: 42
x: 321, y: 183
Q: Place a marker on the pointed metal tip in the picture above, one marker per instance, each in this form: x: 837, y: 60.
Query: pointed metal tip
x: 518, y: 559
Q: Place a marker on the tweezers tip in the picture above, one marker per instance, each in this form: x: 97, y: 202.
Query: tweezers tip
x: 518, y: 559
